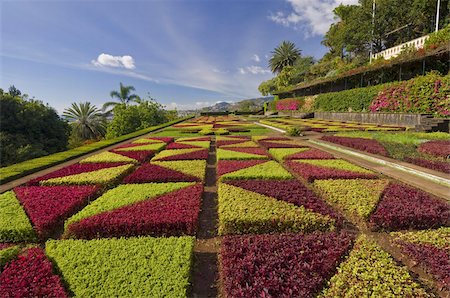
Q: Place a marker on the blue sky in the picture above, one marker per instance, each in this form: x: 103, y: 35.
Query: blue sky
x: 187, y: 54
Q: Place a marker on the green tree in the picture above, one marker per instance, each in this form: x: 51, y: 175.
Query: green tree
x: 283, y: 55
x: 123, y: 96
x: 86, y: 120
x: 267, y: 87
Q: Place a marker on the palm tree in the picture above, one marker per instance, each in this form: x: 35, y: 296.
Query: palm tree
x: 283, y: 55
x: 86, y: 120
x: 123, y: 95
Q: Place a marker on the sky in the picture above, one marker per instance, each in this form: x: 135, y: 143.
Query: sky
x: 185, y: 53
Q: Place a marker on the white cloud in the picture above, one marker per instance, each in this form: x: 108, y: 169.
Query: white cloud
x: 114, y: 61
x: 253, y: 69
x: 256, y: 58
x: 315, y: 16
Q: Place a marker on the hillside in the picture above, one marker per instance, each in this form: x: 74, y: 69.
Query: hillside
x: 246, y: 105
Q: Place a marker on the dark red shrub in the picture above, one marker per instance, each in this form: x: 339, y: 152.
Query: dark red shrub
x: 404, y: 207
x: 229, y: 142
x: 180, y: 146
x: 286, y: 265
x: 172, y: 214
x: 5, y: 245
x: 140, y: 156
x: 437, y: 165
x: 155, y: 173
x: 228, y: 166
x: 268, y: 144
x: 367, y: 145
x: 49, y: 206
x: 438, y: 148
x: 30, y: 275
x: 200, y: 154
x: 250, y: 150
x: 311, y: 154
x: 199, y: 139
x: 166, y: 140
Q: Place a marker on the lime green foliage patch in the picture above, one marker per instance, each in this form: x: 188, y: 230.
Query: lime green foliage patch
x: 336, y: 164
x: 202, y: 144
x: 14, y: 223
x: 369, y: 271
x: 242, y: 211
x: 7, y: 254
x: 194, y: 168
x: 147, y: 141
x: 267, y: 170
x: 173, y: 152
x: 133, y: 267
x: 153, y: 147
x: 229, y: 154
x: 281, y: 153
x: 248, y: 144
x: 107, y: 157
x: 103, y: 176
x: 354, y: 196
x: 439, y: 237
x: 124, y: 195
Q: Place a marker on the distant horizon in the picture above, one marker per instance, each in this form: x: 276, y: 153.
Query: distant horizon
x: 68, y: 51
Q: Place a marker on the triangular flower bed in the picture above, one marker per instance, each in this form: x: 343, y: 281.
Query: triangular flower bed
x: 245, y: 144
x: 194, y: 139
x: 311, y: 170
x: 268, y: 170
x: 172, y: 214
x: 287, y: 265
x: 241, y: 155
x: 140, y: 156
x: 154, y: 147
x: 246, y: 212
x: 166, y: 140
x: 182, y: 154
x: 180, y: 145
x: 228, y: 142
x: 311, y: 153
x: 108, y: 157
x: 49, y: 206
x: 279, y: 144
x: 31, y: 275
x: 228, y: 166
x: 156, y: 173
x: 15, y: 225
x: 284, y: 153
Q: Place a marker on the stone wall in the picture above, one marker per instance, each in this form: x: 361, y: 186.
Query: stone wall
x: 401, y: 119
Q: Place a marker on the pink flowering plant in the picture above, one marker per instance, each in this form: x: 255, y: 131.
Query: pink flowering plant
x: 288, y: 104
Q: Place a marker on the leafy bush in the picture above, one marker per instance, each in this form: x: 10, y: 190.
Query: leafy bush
x: 49, y: 206
x: 436, y: 38
x: 268, y: 170
x: 367, y: 145
x: 242, y: 211
x: 311, y: 153
x: 14, y: 223
x: 108, y: 157
x: 172, y: 214
x: 370, y: 271
x: 289, y: 104
x: 139, y: 156
x: 294, y: 132
x: 137, y: 267
x: 158, y: 173
x: 7, y: 253
x: 288, y: 265
x: 438, y: 148
x: 404, y: 207
x: 181, y: 154
x: 279, y: 144
x: 253, y: 153
x: 439, y: 237
x: 246, y: 144
x: 436, y: 165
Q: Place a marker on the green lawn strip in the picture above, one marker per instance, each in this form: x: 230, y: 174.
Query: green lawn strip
x: 133, y: 267
x: 7, y: 254
x: 196, y: 168
x: 108, y: 157
x: 229, y: 154
x: 267, y: 170
x: 33, y: 165
x: 337, y: 164
x: 439, y: 237
x: 281, y: 153
x: 369, y: 271
x: 245, y: 212
x: 124, y: 195
x: 103, y: 176
x: 355, y: 196
x: 153, y: 146
x: 14, y: 223
x: 172, y: 152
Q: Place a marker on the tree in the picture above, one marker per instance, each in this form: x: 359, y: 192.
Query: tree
x: 283, y: 55
x: 267, y: 87
x: 86, y: 120
x: 123, y: 96
x: 13, y: 91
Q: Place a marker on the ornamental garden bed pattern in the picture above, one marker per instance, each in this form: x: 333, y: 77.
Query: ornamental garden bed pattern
x: 283, y: 210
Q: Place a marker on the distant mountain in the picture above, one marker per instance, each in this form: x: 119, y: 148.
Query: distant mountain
x: 246, y: 105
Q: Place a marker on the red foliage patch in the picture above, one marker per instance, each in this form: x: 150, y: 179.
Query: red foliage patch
x: 199, y: 139
x: 436, y: 260
x: 311, y: 154
x: 438, y: 148
x: 291, y: 191
x: 181, y: 146
x: 75, y: 169
x: 173, y: 214
x: 367, y: 145
x: 251, y: 150
x: 200, y: 154
x: 49, y: 206
x: 155, y: 173
x: 437, y: 165
x: 275, y: 139
x: 140, y: 156
x: 404, y: 207
x: 228, y: 166
x: 129, y: 145
x: 218, y: 125
x: 278, y: 145
x: 286, y: 265
x: 311, y: 172
x: 229, y: 142
x: 166, y: 140
x: 5, y: 245
x: 30, y: 275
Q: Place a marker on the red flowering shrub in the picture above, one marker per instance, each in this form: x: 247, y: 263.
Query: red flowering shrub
x: 404, y: 207
x: 154, y: 173
x: 49, y: 206
x: 311, y: 173
x: 200, y: 154
x: 311, y: 154
x: 229, y: 142
x: 228, y: 166
x: 436, y: 165
x: 367, y: 145
x: 251, y: 150
x: 30, y: 275
x: 180, y: 145
x: 268, y: 144
x: 286, y: 265
x: 291, y: 191
x: 288, y: 104
x: 172, y: 214
x: 75, y: 169
x: 438, y: 148
x: 140, y: 156
x: 274, y: 139
x: 199, y: 139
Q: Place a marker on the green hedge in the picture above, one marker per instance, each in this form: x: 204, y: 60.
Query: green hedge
x: 33, y: 165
